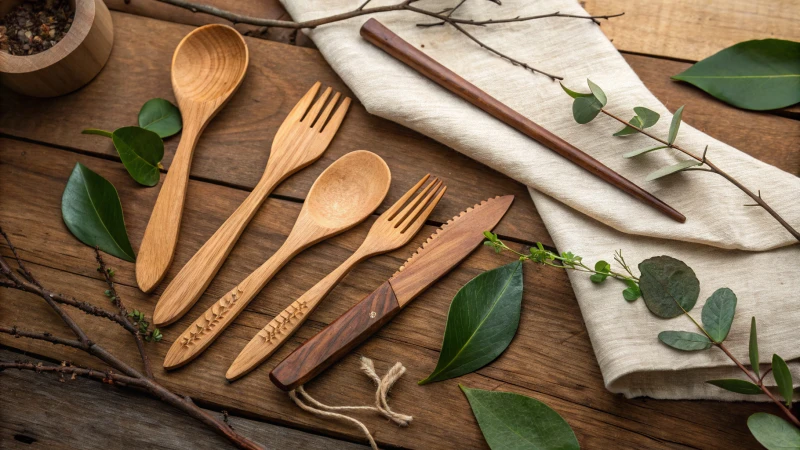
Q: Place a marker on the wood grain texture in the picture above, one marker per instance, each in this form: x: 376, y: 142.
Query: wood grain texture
x: 77, y: 58
x: 207, y: 68
x: 344, y: 195
x: 297, y: 144
x: 551, y: 358
x: 392, y: 230
x: 29, y: 420
x: 692, y: 30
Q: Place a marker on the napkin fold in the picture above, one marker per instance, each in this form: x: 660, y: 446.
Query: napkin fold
x: 726, y: 244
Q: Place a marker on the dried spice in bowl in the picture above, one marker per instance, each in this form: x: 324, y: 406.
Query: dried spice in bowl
x: 35, y: 26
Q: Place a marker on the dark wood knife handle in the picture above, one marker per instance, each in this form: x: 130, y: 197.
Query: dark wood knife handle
x: 383, y: 38
x: 337, y: 339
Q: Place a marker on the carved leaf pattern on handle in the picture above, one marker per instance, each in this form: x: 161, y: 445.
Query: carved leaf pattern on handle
x: 280, y: 323
x: 212, y: 317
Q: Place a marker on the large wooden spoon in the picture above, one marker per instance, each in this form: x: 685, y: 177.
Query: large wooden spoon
x: 207, y: 68
x: 345, y: 194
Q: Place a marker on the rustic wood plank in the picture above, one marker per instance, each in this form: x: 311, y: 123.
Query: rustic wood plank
x: 234, y: 149
x: 550, y: 359
x: 39, y: 412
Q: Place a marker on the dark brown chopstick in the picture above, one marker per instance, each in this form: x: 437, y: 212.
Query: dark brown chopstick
x: 382, y: 37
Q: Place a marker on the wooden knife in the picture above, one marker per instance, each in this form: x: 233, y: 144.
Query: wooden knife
x: 443, y: 251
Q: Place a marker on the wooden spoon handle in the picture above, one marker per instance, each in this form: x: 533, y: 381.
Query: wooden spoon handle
x: 283, y: 326
x: 337, y: 339
x: 383, y: 38
x: 186, y: 288
x: 222, y: 313
x: 161, y: 234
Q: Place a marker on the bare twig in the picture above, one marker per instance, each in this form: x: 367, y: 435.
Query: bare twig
x: 16, y: 332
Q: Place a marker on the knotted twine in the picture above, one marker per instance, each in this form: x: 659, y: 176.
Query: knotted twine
x: 381, y: 406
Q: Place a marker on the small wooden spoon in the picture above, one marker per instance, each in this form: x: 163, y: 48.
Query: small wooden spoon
x: 345, y: 194
x: 207, y: 68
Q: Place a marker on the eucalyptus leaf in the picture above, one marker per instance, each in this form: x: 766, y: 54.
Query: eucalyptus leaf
x: 161, y: 117
x: 92, y: 212
x: 773, y: 432
x: 675, y: 168
x: 675, y: 125
x: 684, y: 340
x: 635, y: 121
x: 754, y: 347
x: 669, y: 287
x: 482, y: 320
x: 784, y: 379
x: 585, y: 109
x: 642, y: 151
x: 598, y: 93
x: 648, y: 117
x: 757, y: 75
x: 718, y: 314
x: 514, y: 422
x: 572, y: 93
x: 739, y: 386
x: 632, y: 292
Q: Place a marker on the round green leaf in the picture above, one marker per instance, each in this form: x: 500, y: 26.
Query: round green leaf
x: 684, y: 340
x: 675, y: 168
x: 635, y: 121
x: 648, y: 117
x: 482, y: 320
x: 757, y: 75
x: 585, y: 109
x: 784, y: 378
x: 738, y: 386
x: 141, y: 152
x: 514, y: 422
x: 718, y: 314
x: 161, y: 117
x: 773, y: 432
x: 598, y: 93
x: 669, y: 287
x: 632, y: 292
x: 92, y: 212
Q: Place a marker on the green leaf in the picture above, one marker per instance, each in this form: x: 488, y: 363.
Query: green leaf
x: 642, y: 151
x: 635, y: 121
x: 598, y: 93
x: 754, y: 347
x: 757, y: 75
x: 718, y: 314
x: 92, y: 212
x: 675, y: 168
x: 585, y: 109
x: 572, y: 93
x: 675, y: 125
x: 684, y: 340
x: 669, y: 287
x: 141, y: 152
x: 647, y: 117
x: 773, y: 432
x: 514, y: 422
x: 738, y: 386
x: 603, y: 268
x: 632, y: 292
x: 784, y: 378
x: 161, y: 117
x: 482, y: 320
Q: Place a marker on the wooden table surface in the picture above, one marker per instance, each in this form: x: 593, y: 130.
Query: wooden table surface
x: 551, y: 357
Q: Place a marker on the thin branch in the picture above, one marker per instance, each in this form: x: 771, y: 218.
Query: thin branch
x: 16, y: 332
x: 25, y: 272
x: 94, y: 374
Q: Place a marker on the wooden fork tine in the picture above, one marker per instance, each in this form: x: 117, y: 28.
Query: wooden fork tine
x: 403, y: 215
x: 314, y: 111
x: 419, y: 219
x: 392, y: 212
x: 330, y: 129
x: 301, y: 107
x: 327, y: 112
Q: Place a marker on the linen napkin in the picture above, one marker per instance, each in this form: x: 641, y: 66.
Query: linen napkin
x: 727, y: 244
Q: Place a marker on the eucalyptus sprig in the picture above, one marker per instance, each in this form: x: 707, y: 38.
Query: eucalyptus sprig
x: 586, y: 106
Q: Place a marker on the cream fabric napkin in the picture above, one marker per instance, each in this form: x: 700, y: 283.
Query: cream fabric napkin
x: 727, y: 245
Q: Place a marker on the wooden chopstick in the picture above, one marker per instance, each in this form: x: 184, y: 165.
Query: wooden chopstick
x: 376, y: 33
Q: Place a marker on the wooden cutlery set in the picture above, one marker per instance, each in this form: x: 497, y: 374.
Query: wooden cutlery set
x: 208, y: 66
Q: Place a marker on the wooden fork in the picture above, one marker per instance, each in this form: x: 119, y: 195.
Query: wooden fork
x: 393, y: 229
x: 301, y: 139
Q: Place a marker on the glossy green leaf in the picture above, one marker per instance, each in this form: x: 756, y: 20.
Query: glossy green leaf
x: 635, y: 121
x: 572, y: 93
x: 718, y: 312
x: 585, y: 109
x: 598, y: 93
x: 773, y: 432
x: 482, y: 320
x: 675, y: 125
x: 603, y: 268
x: 632, y: 292
x: 515, y: 422
x: 757, y: 75
x: 754, y: 348
x: 92, y: 212
x: 738, y: 386
x: 669, y: 287
x: 783, y: 377
x: 675, y: 168
x: 648, y: 117
x: 642, y: 151
x: 161, y: 117
x: 140, y: 150
x: 684, y: 340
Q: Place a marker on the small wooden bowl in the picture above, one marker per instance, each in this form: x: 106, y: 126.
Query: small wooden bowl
x: 69, y: 64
